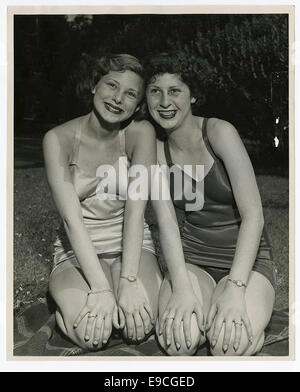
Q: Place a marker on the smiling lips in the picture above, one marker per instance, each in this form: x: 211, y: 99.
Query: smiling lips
x: 167, y: 114
x: 113, y: 109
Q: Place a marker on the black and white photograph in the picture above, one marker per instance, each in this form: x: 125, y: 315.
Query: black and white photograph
x: 151, y: 183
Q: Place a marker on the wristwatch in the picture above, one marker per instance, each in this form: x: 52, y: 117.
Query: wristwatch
x: 130, y: 278
x: 238, y: 283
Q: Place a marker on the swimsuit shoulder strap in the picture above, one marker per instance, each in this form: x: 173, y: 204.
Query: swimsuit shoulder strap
x: 76, y: 143
x: 122, y: 141
x: 167, y: 153
x: 206, y: 140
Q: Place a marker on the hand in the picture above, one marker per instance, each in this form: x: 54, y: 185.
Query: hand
x: 230, y: 308
x: 101, y: 309
x: 134, y: 310
x: 180, y: 308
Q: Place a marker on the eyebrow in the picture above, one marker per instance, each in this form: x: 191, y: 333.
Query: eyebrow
x: 130, y: 89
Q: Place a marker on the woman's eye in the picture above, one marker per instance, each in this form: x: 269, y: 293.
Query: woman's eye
x: 112, y: 85
x: 175, y: 91
x: 154, y: 91
x: 132, y: 94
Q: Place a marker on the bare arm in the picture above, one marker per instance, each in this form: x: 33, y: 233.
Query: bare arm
x: 67, y: 202
x: 142, y: 138
x: 228, y: 145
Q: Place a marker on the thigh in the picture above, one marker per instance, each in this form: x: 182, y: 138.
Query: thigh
x: 260, y: 297
x: 69, y: 289
x: 203, y: 286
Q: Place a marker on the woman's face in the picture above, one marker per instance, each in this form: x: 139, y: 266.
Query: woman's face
x: 169, y: 100
x: 117, y: 95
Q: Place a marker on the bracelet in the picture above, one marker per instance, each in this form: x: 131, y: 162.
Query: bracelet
x: 130, y: 278
x: 99, y: 291
x: 238, y: 283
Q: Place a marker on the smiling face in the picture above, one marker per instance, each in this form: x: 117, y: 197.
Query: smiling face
x: 169, y: 100
x: 117, y: 95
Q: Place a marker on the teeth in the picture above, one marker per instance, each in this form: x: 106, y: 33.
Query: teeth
x: 167, y: 114
x: 112, y: 109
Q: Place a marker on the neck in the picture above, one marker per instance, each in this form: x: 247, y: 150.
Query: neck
x: 101, y: 128
x: 185, y: 137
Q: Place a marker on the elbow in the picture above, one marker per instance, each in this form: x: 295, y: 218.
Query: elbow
x: 256, y: 217
x: 71, y: 223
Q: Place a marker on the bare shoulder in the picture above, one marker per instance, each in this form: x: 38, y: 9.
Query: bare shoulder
x: 222, y: 134
x: 141, y: 129
x: 61, y: 135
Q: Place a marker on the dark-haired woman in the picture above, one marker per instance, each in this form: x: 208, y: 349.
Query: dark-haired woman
x: 223, y: 287
x: 105, y: 270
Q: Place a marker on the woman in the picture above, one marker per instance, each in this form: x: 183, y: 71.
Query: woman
x: 103, y: 275
x: 228, y: 276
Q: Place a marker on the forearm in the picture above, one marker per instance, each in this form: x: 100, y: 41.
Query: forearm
x: 173, y: 254
x: 133, y: 234
x: 247, y: 246
x: 85, y: 254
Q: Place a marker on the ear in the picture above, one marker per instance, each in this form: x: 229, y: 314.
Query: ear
x: 193, y: 100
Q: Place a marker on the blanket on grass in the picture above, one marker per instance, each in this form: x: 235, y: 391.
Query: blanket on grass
x: 36, y: 334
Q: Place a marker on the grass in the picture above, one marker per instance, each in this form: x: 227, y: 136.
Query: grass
x: 36, y: 221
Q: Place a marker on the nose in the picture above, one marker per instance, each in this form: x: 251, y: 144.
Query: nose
x: 117, y: 98
x: 164, y: 102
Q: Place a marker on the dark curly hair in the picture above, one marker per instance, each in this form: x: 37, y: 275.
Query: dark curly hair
x: 91, y: 70
x: 176, y: 63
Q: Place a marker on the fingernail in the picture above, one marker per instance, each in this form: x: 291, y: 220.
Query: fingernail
x: 251, y: 340
x: 86, y: 337
x: 188, y: 344
x: 178, y: 346
x: 95, y: 343
x: 139, y: 338
x: 225, y: 348
x: 235, y: 347
x: 75, y: 326
x: 104, y: 341
x: 213, y: 343
x: 168, y: 342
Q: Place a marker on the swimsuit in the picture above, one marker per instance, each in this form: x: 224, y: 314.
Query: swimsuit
x: 209, y: 234
x: 103, y: 217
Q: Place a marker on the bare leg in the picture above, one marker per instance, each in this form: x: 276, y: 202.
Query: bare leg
x: 203, y: 286
x: 260, y: 297
x: 69, y: 289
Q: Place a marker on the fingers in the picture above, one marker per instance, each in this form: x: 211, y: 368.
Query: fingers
x: 121, y: 318
x: 227, y: 335
x: 150, y: 312
x: 177, y: 330
x: 217, y: 329
x: 139, y: 326
x: 129, y: 326
x: 89, y: 326
x: 168, y: 330
x: 187, y: 329
x: 107, y: 328
x: 162, y: 321
x: 211, y: 315
x: 116, y: 323
x: 85, y: 310
x: 146, y: 320
x: 200, y: 318
x: 248, y: 328
x: 238, y: 335
x: 98, y: 331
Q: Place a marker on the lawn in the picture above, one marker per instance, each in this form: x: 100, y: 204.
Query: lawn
x: 36, y: 220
